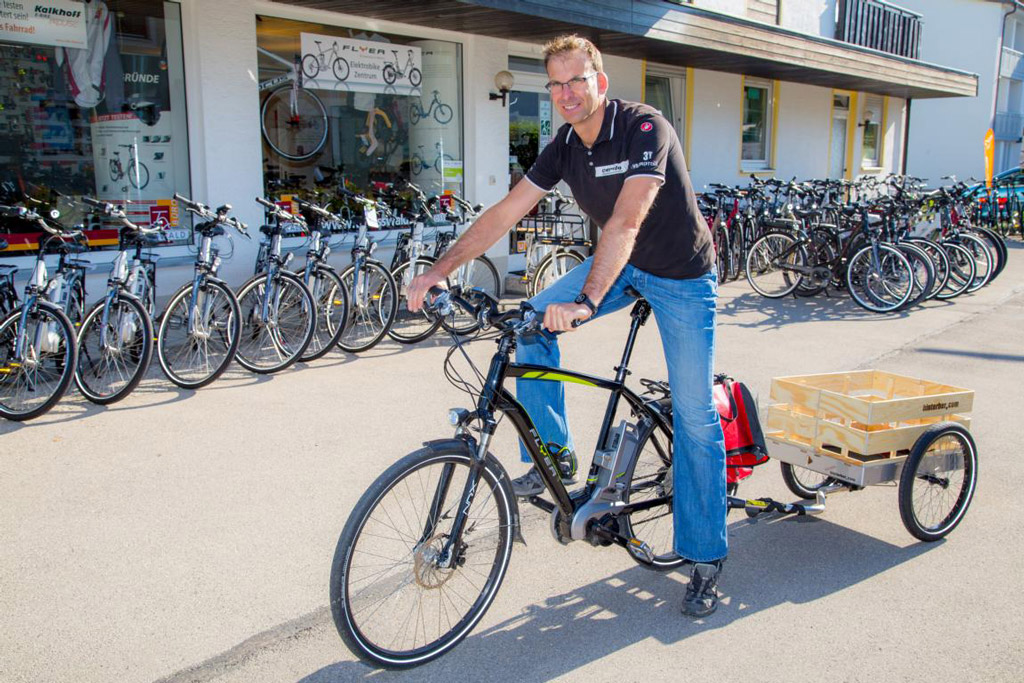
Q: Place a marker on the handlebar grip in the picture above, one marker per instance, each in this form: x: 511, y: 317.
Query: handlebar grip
x: 264, y: 202
x: 94, y: 202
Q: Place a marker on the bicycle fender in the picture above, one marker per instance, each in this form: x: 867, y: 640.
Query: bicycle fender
x: 468, y: 443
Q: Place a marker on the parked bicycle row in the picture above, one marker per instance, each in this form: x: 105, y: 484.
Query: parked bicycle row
x: 279, y: 316
x: 890, y: 244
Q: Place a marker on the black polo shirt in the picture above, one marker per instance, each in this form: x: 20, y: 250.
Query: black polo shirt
x: 635, y: 140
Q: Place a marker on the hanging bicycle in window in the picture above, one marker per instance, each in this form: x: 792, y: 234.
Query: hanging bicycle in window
x: 293, y: 119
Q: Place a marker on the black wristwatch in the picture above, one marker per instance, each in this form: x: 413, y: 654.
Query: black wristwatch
x: 585, y: 300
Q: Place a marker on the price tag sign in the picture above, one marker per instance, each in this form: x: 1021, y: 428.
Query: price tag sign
x: 370, y: 214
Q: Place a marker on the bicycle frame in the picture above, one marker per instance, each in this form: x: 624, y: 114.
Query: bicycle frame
x: 494, y: 398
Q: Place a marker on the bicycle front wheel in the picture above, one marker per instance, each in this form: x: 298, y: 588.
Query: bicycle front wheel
x: 331, y: 300
x: 197, y: 339
x: 480, y: 274
x: 650, y: 477
x: 400, y: 596
x: 771, y: 264
x: 294, y: 133
x: 408, y: 327
x: 551, y: 269
x: 277, y: 322
x: 33, y: 381
x: 880, y: 283
x: 373, y: 304
x: 113, y: 355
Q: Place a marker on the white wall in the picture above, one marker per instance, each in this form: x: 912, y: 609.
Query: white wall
x: 946, y: 134
x: 735, y: 7
x: 814, y: 17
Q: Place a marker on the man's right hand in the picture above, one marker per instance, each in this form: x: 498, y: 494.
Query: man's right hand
x: 419, y: 287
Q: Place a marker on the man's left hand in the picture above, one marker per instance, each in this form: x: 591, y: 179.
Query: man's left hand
x: 559, y: 317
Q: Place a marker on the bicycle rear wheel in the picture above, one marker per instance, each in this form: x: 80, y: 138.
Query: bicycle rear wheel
x: 331, y: 300
x: 31, y: 383
x: 771, y: 262
x: 650, y: 477
x: 961, y: 270
x: 274, y: 344
x: 372, y: 306
x: 480, y: 274
x: 193, y: 355
x: 294, y: 134
x: 113, y: 357
x: 397, y: 598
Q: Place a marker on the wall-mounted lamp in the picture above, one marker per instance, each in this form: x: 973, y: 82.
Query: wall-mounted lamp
x: 869, y: 117
x: 503, y: 81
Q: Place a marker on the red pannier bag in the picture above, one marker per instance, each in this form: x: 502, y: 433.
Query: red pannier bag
x: 744, y: 441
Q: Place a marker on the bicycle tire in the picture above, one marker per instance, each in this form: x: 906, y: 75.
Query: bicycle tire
x: 265, y: 347
x: 945, y: 445
x: 939, y: 261
x: 480, y: 274
x: 961, y: 270
x: 411, y: 538
x: 443, y: 114
x: 881, y: 287
x: 409, y: 327
x: 140, y: 179
x: 106, y: 373
x: 372, y: 311
x: 803, y: 482
x: 310, y: 66
x: 389, y: 73
x: 983, y: 260
x: 192, y: 360
x: 769, y: 276
x: 50, y: 358
x: 415, y: 77
x: 415, y: 113
x: 735, y: 252
x: 650, y: 473
x: 997, y: 246
x: 284, y: 131
x: 340, y: 68
x: 551, y: 269
x: 922, y: 271
x: 722, y: 254
x: 331, y: 299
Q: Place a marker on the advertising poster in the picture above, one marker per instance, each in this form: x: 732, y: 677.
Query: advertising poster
x: 56, y: 22
x: 348, y: 64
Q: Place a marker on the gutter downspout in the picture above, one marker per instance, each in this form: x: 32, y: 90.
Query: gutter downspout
x: 999, y: 68
x: 906, y: 137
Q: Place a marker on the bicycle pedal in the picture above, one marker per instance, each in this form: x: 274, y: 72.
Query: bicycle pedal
x: 640, y: 550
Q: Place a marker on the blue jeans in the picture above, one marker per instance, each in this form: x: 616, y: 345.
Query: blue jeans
x: 685, y: 311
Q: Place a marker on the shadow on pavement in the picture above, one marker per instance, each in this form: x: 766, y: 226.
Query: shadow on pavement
x: 562, y: 633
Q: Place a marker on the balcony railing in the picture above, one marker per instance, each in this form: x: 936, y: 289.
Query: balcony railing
x: 1011, y: 66
x: 1008, y: 126
x: 879, y: 25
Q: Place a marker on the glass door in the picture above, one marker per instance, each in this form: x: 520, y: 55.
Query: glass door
x: 664, y: 91
x: 837, y: 145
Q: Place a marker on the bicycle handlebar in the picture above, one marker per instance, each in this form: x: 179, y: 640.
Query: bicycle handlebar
x: 521, y: 321
x: 118, y: 212
x: 218, y: 216
x: 280, y: 213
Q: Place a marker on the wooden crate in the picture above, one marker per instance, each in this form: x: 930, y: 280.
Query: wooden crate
x: 861, y: 416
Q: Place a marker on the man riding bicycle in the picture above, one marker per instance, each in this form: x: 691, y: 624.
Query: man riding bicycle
x: 624, y: 164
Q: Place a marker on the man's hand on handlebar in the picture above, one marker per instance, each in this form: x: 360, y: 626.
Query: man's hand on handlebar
x: 560, y: 317
x: 418, y: 288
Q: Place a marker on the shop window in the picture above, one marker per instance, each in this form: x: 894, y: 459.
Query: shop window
x: 94, y: 105
x: 359, y: 109
x: 757, y: 123
x: 871, y: 156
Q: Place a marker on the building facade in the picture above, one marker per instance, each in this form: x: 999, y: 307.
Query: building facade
x: 197, y: 97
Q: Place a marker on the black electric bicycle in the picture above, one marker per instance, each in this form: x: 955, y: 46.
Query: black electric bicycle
x: 426, y: 547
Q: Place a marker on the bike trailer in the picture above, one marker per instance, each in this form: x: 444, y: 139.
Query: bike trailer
x: 744, y: 441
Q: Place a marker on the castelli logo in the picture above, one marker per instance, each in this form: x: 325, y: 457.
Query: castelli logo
x: 646, y: 126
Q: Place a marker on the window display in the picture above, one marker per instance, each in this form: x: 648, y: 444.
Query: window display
x: 92, y: 103
x: 342, y: 107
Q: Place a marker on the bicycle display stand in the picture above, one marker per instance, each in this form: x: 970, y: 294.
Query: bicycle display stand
x: 871, y: 427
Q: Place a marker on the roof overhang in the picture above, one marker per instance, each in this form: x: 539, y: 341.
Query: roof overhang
x: 668, y: 33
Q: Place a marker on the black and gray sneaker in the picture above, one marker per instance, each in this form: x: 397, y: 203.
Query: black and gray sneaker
x: 702, y: 593
x: 531, y: 483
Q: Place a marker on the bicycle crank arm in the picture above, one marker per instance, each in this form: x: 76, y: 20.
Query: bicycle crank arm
x: 602, y: 535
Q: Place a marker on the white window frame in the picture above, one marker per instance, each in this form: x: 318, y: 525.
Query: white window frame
x: 768, y: 86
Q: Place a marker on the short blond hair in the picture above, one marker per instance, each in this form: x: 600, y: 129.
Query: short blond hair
x: 571, y: 42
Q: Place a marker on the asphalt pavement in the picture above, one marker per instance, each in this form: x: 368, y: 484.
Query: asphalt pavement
x: 188, y: 536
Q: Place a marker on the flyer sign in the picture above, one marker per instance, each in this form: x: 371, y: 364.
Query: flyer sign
x: 333, y: 63
x: 54, y: 22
